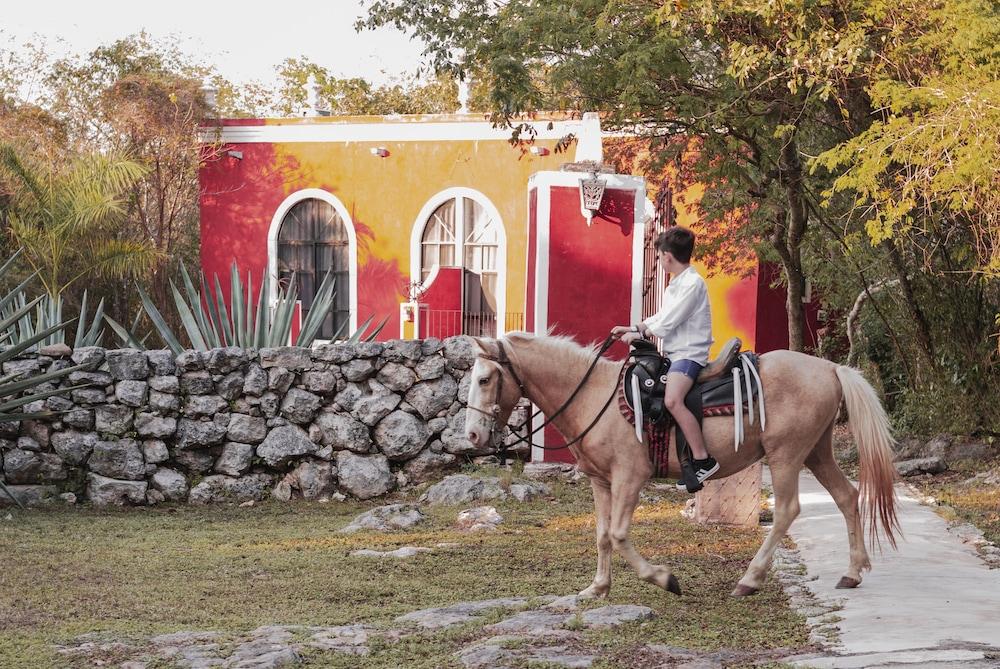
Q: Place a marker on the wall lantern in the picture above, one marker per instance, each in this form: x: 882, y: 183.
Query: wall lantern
x: 380, y: 151
x: 591, y: 194
x: 539, y: 151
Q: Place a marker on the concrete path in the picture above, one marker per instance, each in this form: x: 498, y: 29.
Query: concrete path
x: 933, y: 603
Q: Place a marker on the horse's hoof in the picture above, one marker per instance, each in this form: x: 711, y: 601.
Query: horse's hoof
x: 743, y: 591
x: 673, y: 585
x: 847, y: 582
x: 593, y: 593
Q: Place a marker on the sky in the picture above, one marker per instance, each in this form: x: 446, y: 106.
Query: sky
x: 244, y: 40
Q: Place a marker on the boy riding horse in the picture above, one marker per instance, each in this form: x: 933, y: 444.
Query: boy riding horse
x: 684, y: 326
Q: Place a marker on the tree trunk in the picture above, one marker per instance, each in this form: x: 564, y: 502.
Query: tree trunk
x: 922, y: 329
x: 789, y: 230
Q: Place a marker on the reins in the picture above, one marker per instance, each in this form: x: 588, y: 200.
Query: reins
x: 504, y: 360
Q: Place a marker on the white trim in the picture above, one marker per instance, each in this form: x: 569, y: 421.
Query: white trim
x: 543, y: 182
x: 417, y: 233
x: 352, y: 244
x: 416, y: 128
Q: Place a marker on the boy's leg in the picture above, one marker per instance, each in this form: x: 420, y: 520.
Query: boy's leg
x: 678, y: 385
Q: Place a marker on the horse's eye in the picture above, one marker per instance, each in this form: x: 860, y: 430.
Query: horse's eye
x: 484, y: 380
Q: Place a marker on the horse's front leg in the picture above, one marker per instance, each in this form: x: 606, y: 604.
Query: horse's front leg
x: 602, y: 512
x: 624, y: 498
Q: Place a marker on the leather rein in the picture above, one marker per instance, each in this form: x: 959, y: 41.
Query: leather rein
x: 504, y: 361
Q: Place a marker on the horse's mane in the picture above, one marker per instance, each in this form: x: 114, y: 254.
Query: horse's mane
x: 562, y: 346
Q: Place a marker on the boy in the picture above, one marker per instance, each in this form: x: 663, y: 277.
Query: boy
x: 684, y: 326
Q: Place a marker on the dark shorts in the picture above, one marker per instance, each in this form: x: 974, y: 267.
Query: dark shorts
x: 689, y: 368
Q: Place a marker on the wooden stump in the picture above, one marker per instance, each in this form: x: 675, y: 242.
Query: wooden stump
x: 731, y: 501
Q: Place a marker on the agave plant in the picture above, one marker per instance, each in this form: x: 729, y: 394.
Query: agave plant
x: 48, y: 312
x: 17, y: 389
x: 210, y: 323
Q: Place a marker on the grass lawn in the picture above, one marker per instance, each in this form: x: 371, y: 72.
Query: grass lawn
x: 130, y: 574
x: 976, y: 503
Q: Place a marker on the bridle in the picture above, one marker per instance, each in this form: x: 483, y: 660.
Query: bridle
x: 504, y: 361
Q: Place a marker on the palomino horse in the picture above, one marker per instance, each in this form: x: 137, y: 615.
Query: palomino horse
x: 803, y: 395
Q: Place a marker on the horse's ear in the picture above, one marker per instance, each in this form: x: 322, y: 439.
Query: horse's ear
x: 479, y: 344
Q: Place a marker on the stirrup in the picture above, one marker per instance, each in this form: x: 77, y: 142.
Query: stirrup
x: 723, y: 362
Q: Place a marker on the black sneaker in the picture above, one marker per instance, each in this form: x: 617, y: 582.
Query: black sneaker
x: 695, y: 472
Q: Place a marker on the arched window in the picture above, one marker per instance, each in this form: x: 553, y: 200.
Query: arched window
x: 312, y: 241
x: 462, y: 231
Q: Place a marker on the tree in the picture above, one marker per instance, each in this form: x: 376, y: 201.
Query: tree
x: 68, y: 220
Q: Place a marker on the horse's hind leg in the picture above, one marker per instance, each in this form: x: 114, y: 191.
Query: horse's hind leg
x: 602, y: 512
x: 824, y: 466
x: 785, y: 478
x: 624, y: 498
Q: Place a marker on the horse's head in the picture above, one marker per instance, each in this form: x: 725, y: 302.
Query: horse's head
x: 494, y: 390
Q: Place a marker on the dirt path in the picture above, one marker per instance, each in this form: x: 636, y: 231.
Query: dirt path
x: 932, y: 603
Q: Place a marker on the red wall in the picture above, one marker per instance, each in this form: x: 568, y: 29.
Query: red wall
x: 771, y: 331
x: 590, y: 274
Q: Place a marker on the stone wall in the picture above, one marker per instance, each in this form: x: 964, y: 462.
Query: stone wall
x: 231, y: 424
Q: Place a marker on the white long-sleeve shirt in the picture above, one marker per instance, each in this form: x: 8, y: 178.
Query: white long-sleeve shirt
x: 684, y: 321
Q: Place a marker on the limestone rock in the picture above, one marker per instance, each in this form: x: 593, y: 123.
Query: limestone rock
x: 225, y: 488
x: 161, y: 362
x: 90, y: 356
x: 617, y: 614
x: 314, y: 478
x: 247, y: 429
x: 225, y: 360
x: 256, y: 381
x: 336, y: 352
x: 299, y: 406
x: 195, y: 433
x: 279, y: 380
x: 917, y: 466
x: 479, y: 518
x: 29, y: 467
x: 30, y: 495
x: 80, y: 419
x: 284, y: 443
x: 198, y: 382
x: 462, y: 489
x: 454, y: 440
x: 74, y: 447
x: 126, y: 364
x: 364, y: 476
x: 322, y: 382
x: 400, y: 436
x: 120, y: 459
x: 386, y: 519
x: 428, y: 465
x: 196, y: 461
x: 358, y: 370
x: 431, y: 368
x: 230, y: 386
x: 432, y: 397
x: 527, y: 491
x: 154, y: 451
x: 103, y: 491
x: 204, y: 405
x: 342, y: 431
x: 398, y: 554
x: 370, y: 409
x: 163, y: 403
x: 113, y: 419
x: 402, y: 350
x: 289, y: 357
x: 152, y: 425
x: 171, y: 483
x: 460, y: 352
x: 396, y: 377
x: 189, y: 361
x: 235, y: 459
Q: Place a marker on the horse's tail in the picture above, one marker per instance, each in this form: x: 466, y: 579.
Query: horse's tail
x: 876, y: 476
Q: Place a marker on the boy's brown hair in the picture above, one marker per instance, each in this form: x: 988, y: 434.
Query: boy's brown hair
x: 678, y: 241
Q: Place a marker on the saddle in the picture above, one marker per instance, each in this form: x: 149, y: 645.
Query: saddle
x: 728, y: 381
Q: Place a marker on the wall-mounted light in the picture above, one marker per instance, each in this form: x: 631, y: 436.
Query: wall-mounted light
x: 539, y: 151
x: 238, y: 155
x: 380, y: 151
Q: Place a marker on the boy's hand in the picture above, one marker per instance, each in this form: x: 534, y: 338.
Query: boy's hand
x: 619, y: 330
x: 630, y: 337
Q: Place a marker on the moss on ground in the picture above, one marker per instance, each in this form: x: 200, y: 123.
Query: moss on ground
x: 130, y: 574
